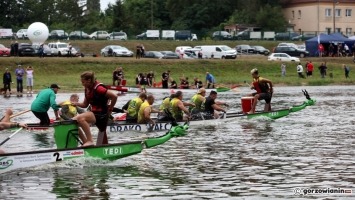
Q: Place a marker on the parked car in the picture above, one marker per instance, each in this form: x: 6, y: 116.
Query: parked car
x: 103, y: 35
x: 282, y: 57
x: 244, y: 49
x: 261, y: 50
x: 58, y: 35
x: 292, y: 51
x: 46, y: 50
x: 4, y: 51
x: 116, y: 51
x: 305, y: 36
x: 118, y: 36
x: 285, y: 35
x: 78, y: 35
x: 153, y: 54
x: 170, y: 55
x: 25, y: 49
x: 244, y: 35
x: 61, y: 49
x: 221, y: 35
x: 22, y: 33
x: 180, y: 49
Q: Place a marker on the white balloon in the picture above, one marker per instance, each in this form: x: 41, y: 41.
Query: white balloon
x: 38, y: 33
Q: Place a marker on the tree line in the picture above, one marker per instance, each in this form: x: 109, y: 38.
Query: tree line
x: 136, y: 16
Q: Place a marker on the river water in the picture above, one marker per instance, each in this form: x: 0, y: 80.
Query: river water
x: 242, y: 159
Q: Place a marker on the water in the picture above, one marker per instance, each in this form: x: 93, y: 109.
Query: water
x: 243, y: 159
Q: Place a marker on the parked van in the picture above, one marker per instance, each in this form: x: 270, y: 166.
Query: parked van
x: 22, y: 34
x: 185, y: 35
x: 217, y: 51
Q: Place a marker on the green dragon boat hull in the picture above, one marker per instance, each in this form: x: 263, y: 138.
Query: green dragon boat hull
x: 67, y: 148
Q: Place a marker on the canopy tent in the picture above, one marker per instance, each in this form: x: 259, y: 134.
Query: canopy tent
x: 326, y: 40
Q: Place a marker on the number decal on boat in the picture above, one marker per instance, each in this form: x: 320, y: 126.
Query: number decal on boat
x: 274, y: 114
x: 57, y: 157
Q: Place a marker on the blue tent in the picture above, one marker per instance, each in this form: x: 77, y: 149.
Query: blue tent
x: 326, y: 40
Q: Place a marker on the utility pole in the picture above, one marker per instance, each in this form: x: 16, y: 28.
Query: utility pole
x: 334, y: 16
x: 151, y: 14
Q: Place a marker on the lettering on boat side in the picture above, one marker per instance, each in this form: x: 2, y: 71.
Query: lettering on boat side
x: 5, y: 163
x: 113, y: 151
x: 73, y: 153
x: 274, y: 113
x: 139, y: 127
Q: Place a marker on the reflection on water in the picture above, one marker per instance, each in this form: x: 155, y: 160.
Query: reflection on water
x: 257, y: 159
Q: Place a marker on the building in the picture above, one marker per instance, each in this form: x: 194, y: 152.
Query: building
x: 320, y: 16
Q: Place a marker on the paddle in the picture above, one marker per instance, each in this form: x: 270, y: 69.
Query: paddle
x: 8, y: 138
x: 17, y: 114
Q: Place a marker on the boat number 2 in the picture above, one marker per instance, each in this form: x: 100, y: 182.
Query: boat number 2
x: 57, y: 157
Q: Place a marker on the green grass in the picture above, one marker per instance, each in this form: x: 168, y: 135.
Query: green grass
x: 66, y: 71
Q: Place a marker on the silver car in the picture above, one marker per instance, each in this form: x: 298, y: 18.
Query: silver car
x: 115, y: 51
x: 46, y: 50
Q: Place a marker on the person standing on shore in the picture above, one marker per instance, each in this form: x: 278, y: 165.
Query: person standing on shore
x: 19, y: 80
x: 7, y: 82
x: 210, y: 81
x: 346, y: 70
x: 29, y: 77
x: 165, y: 79
x: 283, y: 69
x: 310, y: 69
x: 300, y: 70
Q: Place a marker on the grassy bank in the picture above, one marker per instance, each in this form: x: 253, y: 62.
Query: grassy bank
x: 66, y: 71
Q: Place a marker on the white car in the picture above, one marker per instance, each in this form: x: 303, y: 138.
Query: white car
x: 61, y: 49
x: 116, y: 51
x: 100, y: 35
x: 22, y: 33
x: 282, y: 57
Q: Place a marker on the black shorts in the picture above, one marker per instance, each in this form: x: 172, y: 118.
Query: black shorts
x: 101, y: 121
x: 264, y: 96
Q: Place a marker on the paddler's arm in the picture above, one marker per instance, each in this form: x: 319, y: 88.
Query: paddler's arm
x: 270, y: 84
x: 216, y: 107
x: 183, y: 108
x: 83, y: 104
x: 221, y: 103
x: 113, y: 98
x: 147, y: 112
x: 54, y: 105
x: 188, y: 104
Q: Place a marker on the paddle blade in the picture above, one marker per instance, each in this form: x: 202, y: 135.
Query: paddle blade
x: 222, y: 89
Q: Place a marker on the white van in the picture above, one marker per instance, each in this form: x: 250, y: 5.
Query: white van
x: 217, y: 51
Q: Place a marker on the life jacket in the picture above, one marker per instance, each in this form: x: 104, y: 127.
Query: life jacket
x: 175, y: 110
x: 98, y: 102
x: 72, y: 111
x: 260, y: 87
x: 134, y: 106
x: 198, y: 100
x: 141, y: 118
x: 165, y: 104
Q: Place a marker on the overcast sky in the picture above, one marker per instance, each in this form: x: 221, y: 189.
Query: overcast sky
x: 104, y: 3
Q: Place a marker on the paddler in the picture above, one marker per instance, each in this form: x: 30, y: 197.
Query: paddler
x: 98, y: 97
x: 6, y: 124
x: 145, y: 110
x: 133, y: 108
x: 164, y: 107
x: 264, y: 90
x: 68, y: 110
x: 177, y: 107
x: 212, y: 107
x: 198, y: 99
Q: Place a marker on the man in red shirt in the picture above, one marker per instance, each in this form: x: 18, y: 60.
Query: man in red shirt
x: 310, y: 68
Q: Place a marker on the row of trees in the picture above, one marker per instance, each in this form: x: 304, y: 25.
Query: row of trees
x: 135, y: 16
